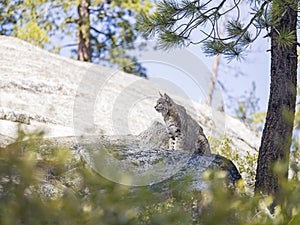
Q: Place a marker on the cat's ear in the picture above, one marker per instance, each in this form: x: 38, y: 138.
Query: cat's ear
x: 160, y: 94
x: 166, y: 96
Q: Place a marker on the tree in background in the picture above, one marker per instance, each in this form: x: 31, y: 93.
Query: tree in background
x: 84, y: 51
x: 104, y: 29
x: 174, y: 22
x: 115, y: 34
x: 8, y: 16
x: 19, y: 18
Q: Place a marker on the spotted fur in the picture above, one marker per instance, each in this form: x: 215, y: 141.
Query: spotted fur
x: 184, y: 132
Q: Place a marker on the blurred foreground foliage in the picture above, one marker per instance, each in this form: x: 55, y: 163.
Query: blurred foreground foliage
x: 32, y: 162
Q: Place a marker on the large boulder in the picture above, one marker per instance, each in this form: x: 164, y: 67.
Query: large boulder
x: 86, y: 107
x: 50, y: 92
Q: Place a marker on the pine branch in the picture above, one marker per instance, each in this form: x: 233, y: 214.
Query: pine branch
x: 257, y: 14
x: 167, y: 23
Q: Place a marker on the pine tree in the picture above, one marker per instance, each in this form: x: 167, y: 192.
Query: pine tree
x: 84, y: 36
x: 104, y: 30
x: 8, y: 16
x: 174, y: 23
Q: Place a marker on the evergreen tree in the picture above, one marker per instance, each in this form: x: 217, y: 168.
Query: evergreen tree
x: 104, y: 29
x: 175, y: 22
x: 8, y: 16
x: 84, y: 37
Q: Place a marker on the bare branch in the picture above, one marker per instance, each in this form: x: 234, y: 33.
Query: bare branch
x: 98, y: 31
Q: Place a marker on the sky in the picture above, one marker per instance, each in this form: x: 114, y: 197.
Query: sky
x: 235, y: 76
x: 254, y: 68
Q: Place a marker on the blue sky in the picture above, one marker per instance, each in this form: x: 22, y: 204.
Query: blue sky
x: 255, y: 68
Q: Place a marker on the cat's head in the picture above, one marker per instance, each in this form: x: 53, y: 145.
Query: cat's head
x: 163, y: 104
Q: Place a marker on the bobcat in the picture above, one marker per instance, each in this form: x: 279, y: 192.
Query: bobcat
x: 184, y: 132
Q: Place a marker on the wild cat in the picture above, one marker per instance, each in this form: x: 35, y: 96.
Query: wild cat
x: 184, y: 132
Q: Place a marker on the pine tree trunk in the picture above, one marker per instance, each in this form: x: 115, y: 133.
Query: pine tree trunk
x: 213, y: 80
x: 277, y: 133
x: 215, y: 72
x: 84, y: 42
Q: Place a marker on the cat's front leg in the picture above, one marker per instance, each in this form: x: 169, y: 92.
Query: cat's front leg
x: 178, y: 143
x: 172, y: 143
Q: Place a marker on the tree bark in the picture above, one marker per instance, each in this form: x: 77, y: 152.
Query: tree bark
x: 277, y: 133
x: 213, y: 80
x: 215, y: 72
x: 84, y: 37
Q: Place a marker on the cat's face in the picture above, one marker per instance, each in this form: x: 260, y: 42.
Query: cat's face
x: 163, y: 105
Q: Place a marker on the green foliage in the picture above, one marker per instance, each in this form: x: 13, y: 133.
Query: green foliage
x: 180, y: 20
x: 34, y: 21
x: 25, y: 167
x: 136, y: 5
x: 245, y: 162
x: 111, y: 44
x: 8, y: 15
x: 112, y: 28
x: 285, y: 38
x: 25, y: 173
x: 31, y: 32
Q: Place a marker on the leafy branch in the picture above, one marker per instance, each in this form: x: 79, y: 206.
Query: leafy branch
x: 175, y: 24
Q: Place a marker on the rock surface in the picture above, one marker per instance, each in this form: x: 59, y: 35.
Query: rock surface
x: 139, y: 161
x: 70, y: 99
x: 66, y: 98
